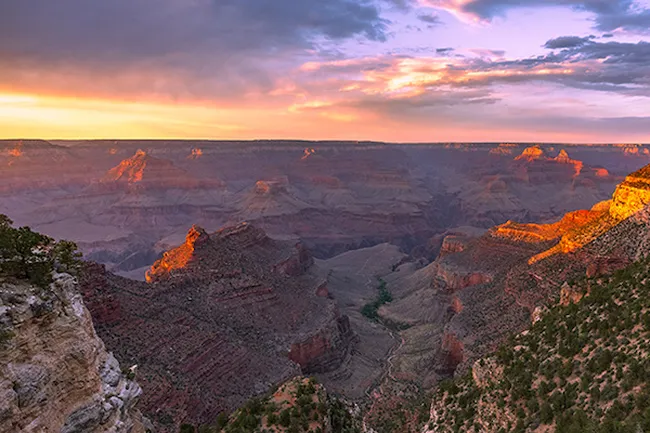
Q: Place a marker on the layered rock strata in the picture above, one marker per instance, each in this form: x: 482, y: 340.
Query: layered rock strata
x: 225, y: 316
x: 55, y: 373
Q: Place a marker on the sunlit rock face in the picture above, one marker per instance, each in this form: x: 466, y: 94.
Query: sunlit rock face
x: 601, y: 172
x: 55, y: 373
x: 536, y: 233
x: 634, y: 150
x: 563, y: 158
x: 308, y: 152
x: 196, y: 153
x: 16, y: 152
x: 270, y: 187
x: 179, y: 257
x: 579, y: 228
x: 538, y: 155
x: 632, y: 195
x: 531, y: 154
x: 145, y: 171
x: 130, y: 170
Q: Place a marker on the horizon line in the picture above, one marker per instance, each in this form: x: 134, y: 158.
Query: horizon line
x: 330, y: 141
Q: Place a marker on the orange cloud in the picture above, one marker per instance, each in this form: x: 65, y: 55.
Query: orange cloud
x: 376, y: 98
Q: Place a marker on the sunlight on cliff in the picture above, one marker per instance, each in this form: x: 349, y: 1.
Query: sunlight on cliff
x: 308, y: 152
x: 196, y: 153
x: 17, y: 151
x: 579, y: 228
x: 503, y: 149
x: 536, y: 153
x: 131, y: 170
x: 178, y: 258
x: 531, y: 154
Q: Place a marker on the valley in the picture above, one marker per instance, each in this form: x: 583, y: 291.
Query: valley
x: 223, y: 270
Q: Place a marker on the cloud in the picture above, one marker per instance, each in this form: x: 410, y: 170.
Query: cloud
x: 566, y: 42
x: 216, y: 47
x: 407, y: 82
x: 445, y: 50
x: 610, y: 15
x: 429, y: 18
x: 483, y: 52
x: 136, y: 28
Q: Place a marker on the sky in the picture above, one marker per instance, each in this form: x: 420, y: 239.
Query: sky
x: 385, y: 70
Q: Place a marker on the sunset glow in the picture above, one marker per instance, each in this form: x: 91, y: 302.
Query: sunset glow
x: 428, y: 70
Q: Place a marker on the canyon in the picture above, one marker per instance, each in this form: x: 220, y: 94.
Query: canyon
x: 126, y: 202
x: 225, y: 269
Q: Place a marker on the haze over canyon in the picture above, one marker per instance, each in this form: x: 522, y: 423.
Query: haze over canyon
x: 224, y: 269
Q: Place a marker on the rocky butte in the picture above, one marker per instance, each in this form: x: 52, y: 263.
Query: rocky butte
x: 224, y: 317
x: 146, y: 171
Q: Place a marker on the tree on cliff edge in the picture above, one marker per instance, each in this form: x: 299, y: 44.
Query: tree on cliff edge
x: 29, y: 255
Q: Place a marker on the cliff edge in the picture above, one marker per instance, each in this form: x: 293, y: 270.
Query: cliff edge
x: 55, y: 373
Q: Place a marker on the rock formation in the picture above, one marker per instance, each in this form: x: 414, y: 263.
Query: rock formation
x: 632, y: 195
x: 144, y: 171
x: 119, y: 199
x: 196, y: 153
x: 503, y: 149
x: 55, y: 373
x: 225, y: 316
x: 269, y: 198
x: 531, y: 154
x: 488, y: 287
x: 579, y: 228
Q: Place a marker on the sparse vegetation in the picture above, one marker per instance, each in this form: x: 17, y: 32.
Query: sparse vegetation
x: 583, y: 367
x: 299, y: 406
x: 28, y: 255
x: 405, y: 412
x: 383, y: 297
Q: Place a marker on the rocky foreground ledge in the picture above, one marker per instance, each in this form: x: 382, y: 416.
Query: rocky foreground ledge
x: 55, y: 373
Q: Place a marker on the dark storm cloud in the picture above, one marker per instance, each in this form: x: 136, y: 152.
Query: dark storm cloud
x: 566, y: 42
x: 621, y: 67
x: 132, y: 29
x: 178, y: 49
x: 632, y: 21
x: 610, y: 14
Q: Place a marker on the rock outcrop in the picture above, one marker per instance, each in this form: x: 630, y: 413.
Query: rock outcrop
x: 225, y: 316
x: 632, y: 195
x: 55, y: 373
x: 579, y: 228
x: 177, y: 258
x: 531, y: 154
x: 144, y: 171
x: 484, y: 289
